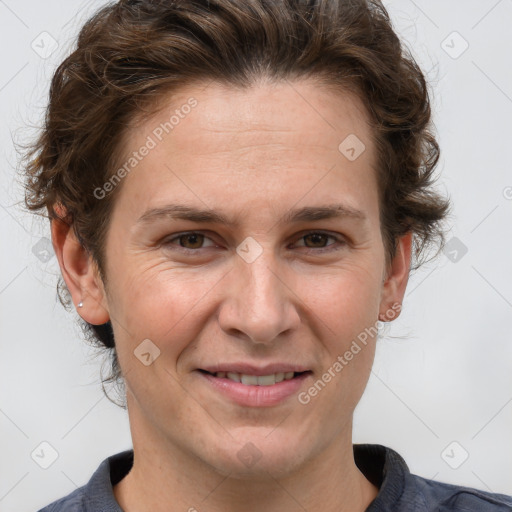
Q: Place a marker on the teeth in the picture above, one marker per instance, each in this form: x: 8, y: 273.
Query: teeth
x: 249, y: 380
x: 266, y: 380
x: 253, y: 380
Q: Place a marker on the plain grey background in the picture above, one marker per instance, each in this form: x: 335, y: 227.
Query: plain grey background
x: 441, y: 395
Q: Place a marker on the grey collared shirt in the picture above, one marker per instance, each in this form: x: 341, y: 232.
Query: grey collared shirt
x: 399, y: 490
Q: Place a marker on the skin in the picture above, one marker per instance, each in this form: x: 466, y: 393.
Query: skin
x: 253, y: 155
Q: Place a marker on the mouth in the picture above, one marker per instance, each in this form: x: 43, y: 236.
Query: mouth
x: 248, y: 386
x: 257, y: 380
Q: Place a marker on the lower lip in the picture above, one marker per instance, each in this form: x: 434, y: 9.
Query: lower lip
x: 256, y: 396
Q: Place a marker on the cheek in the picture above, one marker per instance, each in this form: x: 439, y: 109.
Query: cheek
x: 344, y: 301
x: 348, y: 312
x: 159, y: 303
x: 168, y: 309
x: 346, y: 306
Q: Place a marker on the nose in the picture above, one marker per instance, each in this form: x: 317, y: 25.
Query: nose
x: 259, y: 303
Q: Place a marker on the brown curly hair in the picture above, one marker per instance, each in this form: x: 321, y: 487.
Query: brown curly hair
x: 131, y: 54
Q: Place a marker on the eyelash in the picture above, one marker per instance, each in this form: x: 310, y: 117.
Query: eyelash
x: 168, y: 242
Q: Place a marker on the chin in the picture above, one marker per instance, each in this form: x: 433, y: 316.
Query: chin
x: 260, y: 453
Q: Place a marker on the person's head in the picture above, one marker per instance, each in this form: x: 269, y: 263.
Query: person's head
x: 261, y: 114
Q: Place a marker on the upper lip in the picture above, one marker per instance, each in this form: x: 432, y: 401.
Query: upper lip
x: 251, y: 369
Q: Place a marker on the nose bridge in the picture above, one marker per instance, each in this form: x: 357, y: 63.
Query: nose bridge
x: 261, y: 308
x: 262, y: 287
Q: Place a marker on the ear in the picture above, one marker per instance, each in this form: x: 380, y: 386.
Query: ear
x: 80, y: 274
x: 395, y: 282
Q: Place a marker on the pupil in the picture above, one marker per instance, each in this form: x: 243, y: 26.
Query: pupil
x: 316, y: 237
x: 196, y: 237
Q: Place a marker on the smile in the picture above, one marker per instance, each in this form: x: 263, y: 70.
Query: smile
x: 256, y: 380
x: 249, y: 390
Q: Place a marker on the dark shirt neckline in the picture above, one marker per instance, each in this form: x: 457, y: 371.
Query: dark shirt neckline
x: 371, y: 459
x: 399, y: 490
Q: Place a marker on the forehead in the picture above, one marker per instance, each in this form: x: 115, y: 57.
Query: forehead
x: 301, y: 108
x: 278, y: 138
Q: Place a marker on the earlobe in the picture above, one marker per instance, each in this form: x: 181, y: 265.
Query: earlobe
x: 395, y: 282
x: 80, y: 274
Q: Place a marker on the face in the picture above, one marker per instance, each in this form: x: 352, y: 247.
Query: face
x: 282, y: 272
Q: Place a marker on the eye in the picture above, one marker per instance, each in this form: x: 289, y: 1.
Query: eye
x: 188, y: 241
x: 318, y: 240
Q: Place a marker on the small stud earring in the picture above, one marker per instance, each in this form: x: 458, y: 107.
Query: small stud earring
x: 80, y: 304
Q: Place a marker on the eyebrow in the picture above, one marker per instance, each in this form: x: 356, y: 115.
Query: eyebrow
x: 305, y: 214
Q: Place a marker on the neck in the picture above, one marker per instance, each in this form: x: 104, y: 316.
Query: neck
x: 160, y: 478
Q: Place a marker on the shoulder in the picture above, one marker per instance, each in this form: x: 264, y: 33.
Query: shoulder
x: 97, y: 495
x: 402, y: 491
x: 74, y: 502
x: 444, y: 497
